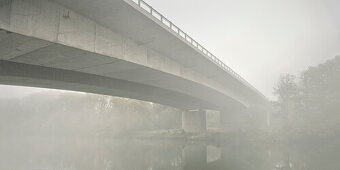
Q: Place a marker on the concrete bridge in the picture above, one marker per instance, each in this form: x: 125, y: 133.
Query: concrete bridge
x: 117, y: 47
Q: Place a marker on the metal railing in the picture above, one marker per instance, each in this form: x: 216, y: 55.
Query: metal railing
x: 146, y: 7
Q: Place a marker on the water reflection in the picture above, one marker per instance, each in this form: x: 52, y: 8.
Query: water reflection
x: 89, y: 154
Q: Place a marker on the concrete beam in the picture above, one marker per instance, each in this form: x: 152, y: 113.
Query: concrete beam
x: 12, y: 73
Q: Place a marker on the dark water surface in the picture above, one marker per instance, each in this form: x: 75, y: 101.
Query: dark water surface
x: 91, y: 154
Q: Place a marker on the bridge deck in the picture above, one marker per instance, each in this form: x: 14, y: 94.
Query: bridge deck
x: 145, y: 25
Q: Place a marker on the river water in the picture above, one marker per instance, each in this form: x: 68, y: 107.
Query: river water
x: 52, y: 153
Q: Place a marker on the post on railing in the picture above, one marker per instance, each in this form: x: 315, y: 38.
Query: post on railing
x: 139, y: 2
x: 150, y: 8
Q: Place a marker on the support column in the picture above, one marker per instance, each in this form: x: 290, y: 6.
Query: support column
x: 194, y: 121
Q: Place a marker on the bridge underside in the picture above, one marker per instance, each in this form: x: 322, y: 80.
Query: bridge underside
x: 32, y: 62
x: 12, y: 73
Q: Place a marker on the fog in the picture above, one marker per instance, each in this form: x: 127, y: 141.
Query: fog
x: 264, y: 38
x: 287, y: 49
x: 18, y: 91
x: 56, y: 129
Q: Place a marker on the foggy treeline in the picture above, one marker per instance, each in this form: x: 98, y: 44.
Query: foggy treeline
x: 308, y: 105
x: 64, y: 113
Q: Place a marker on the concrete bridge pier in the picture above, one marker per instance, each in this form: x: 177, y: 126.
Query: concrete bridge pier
x: 194, y: 121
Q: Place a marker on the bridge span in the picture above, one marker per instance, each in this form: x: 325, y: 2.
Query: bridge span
x: 117, y: 47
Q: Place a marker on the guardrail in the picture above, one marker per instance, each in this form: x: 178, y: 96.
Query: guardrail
x: 146, y: 7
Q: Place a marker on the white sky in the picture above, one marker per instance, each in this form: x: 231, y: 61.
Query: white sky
x: 259, y: 39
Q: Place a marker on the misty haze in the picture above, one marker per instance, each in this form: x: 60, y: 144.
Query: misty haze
x: 170, y: 85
